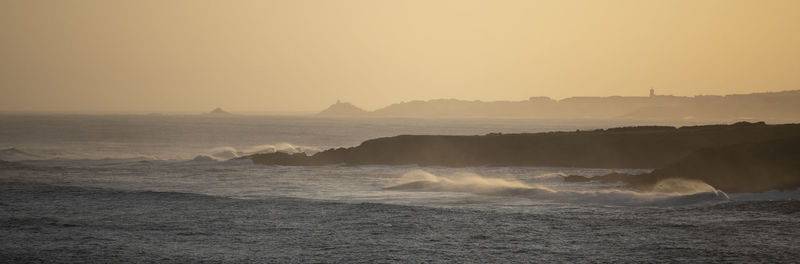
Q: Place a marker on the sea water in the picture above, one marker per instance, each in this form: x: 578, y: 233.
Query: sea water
x: 159, y: 188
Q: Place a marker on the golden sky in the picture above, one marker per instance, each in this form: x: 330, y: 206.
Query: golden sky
x: 167, y: 56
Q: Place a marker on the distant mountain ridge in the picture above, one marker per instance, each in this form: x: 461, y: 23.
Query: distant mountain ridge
x: 783, y: 106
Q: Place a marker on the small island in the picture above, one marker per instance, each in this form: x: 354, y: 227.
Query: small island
x: 343, y: 109
x: 218, y: 112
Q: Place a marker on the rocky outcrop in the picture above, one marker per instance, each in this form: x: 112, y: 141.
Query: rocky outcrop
x: 742, y: 157
x: 740, y: 168
x: 630, y: 147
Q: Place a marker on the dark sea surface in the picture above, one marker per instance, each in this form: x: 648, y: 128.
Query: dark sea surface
x: 160, y: 189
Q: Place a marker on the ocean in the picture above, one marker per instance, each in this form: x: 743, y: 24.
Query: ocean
x: 165, y: 188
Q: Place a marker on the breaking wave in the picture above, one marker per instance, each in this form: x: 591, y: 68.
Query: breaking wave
x: 683, y: 186
x: 281, y: 147
x: 420, y: 180
x: 666, y: 192
x: 227, y: 153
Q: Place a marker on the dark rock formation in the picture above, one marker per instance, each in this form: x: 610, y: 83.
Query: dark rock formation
x: 742, y: 157
x: 740, y: 168
x: 578, y: 178
x: 748, y: 167
x: 633, y: 147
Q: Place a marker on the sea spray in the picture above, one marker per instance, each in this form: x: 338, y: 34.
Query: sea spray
x: 228, y: 152
x: 668, y: 192
x: 682, y: 186
x: 224, y: 153
x: 423, y: 181
x: 280, y: 147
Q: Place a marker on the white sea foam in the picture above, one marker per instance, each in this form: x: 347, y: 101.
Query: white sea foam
x: 684, y: 186
x: 280, y: 147
x: 420, y: 180
x: 228, y: 152
x: 224, y: 153
x: 667, y: 192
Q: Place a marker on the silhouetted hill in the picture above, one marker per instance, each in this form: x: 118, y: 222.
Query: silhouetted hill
x: 780, y: 106
x: 343, y: 109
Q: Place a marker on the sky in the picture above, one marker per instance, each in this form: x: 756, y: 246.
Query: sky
x: 286, y: 56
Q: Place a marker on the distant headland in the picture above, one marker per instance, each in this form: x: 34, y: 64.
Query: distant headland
x: 772, y: 106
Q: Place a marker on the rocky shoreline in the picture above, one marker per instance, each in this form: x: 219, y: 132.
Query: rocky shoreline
x: 741, y: 157
x: 741, y: 168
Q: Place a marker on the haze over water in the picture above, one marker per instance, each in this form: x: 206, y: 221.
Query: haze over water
x: 197, y: 131
x: 163, y: 185
x: 279, y: 56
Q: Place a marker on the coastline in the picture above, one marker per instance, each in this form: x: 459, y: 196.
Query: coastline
x: 693, y: 152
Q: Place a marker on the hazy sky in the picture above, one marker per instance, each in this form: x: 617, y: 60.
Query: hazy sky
x: 162, y: 56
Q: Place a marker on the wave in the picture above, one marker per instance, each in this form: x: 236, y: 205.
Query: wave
x: 281, y: 147
x: 66, y: 155
x: 203, y: 158
x: 223, y: 153
x: 420, y: 180
x: 683, y: 186
x: 228, y: 153
x: 667, y: 192
x: 14, y: 154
